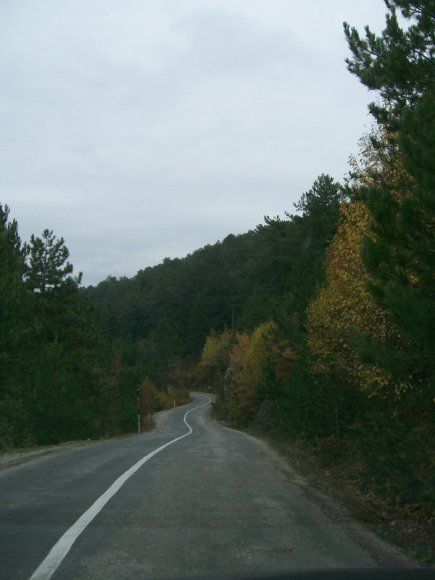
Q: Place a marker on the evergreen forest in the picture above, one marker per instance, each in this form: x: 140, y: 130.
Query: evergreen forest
x: 317, y: 325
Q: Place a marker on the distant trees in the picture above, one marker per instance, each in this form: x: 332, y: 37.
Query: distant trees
x: 215, y: 359
x: 238, y: 284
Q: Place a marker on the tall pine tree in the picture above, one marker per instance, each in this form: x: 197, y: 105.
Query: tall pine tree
x: 400, y: 255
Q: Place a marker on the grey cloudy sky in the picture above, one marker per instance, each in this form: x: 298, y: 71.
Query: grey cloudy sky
x: 141, y: 129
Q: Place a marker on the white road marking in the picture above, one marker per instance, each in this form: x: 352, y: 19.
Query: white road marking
x: 52, y: 561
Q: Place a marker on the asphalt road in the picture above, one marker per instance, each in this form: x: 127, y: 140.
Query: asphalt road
x: 214, y: 502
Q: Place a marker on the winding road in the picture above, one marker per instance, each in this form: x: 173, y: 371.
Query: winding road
x: 190, y: 498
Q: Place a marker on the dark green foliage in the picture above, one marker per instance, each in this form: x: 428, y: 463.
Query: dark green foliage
x: 15, y: 304
x: 52, y: 352
x: 313, y: 232
x: 400, y: 254
x: 12, y: 293
x: 399, y: 63
x: 48, y: 267
x: 319, y: 205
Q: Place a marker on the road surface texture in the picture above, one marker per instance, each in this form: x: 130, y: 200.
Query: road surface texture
x: 215, y: 502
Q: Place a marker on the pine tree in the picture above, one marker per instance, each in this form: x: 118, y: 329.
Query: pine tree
x: 14, y: 332
x: 12, y: 291
x: 399, y: 64
x: 399, y: 254
x: 48, y: 266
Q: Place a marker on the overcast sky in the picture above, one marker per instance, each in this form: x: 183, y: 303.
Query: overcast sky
x: 144, y: 129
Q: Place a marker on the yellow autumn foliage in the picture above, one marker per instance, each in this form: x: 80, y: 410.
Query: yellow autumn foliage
x: 380, y: 163
x: 214, y: 360
x: 344, y: 305
x: 215, y: 348
x: 247, y: 362
x: 153, y: 399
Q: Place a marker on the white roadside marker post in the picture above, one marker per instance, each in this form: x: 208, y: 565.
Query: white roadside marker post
x: 138, y: 409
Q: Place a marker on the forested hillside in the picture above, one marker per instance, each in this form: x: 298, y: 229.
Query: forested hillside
x: 168, y: 311
x: 60, y: 376
x: 317, y: 324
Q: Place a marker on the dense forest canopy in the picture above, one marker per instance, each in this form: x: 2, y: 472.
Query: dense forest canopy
x: 319, y: 323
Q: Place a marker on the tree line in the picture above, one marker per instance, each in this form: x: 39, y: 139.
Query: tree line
x: 318, y: 324
x: 60, y: 376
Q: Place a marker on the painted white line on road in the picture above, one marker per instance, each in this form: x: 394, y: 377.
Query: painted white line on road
x: 52, y: 561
